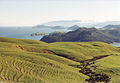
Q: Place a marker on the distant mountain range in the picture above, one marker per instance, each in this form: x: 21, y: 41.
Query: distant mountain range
x: 108, y: 27
x: 112, y: 27
x: 84, y: 35
x: 68, y: 23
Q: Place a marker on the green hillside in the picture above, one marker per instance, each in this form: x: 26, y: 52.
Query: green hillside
x: 31, y: 61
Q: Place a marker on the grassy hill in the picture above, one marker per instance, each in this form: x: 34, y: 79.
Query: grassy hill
x: 61, y: 62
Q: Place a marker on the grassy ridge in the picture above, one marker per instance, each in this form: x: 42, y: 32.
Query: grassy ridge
x: 29, y: 64
x: 35, y: 61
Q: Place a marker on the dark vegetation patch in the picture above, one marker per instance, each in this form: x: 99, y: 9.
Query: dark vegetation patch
x: 93, y: 76
x: 66, y: 56
x: 96, y: 45
x: 94, y: 59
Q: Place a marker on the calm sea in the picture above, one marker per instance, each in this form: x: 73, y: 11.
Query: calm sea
x: 25, y: 32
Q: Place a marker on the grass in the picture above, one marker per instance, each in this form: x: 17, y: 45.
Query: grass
x: 39, y: 62
x: 110, y: 66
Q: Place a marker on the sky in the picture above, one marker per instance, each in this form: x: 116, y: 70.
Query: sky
x: 33, y: 12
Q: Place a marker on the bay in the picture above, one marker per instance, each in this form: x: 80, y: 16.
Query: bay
x: 25, y: 32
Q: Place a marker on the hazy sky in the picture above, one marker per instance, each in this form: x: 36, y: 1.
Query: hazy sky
x: 32, y: 12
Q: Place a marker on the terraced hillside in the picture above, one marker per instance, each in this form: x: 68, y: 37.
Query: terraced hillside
x: 31, y: 61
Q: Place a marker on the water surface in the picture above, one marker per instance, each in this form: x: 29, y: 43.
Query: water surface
x: 115, y: 44
x: 25, y: 32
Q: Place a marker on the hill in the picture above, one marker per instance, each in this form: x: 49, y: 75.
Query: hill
x: 82, y: 35
x: 74, y: 27
x: 111, y: 27
x: 61, y: 62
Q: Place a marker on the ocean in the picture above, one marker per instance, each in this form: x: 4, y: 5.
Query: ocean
x: 25, y: 32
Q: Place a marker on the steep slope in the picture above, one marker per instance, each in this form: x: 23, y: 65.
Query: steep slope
x: 113, y: 32
x: 81, y: 35
x: 61, y: 62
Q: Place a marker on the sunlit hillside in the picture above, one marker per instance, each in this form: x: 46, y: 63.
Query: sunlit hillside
x: 32, y: 61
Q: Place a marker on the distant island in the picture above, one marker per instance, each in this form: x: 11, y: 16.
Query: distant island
x: 38, y: 34
x: 51, y: 27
